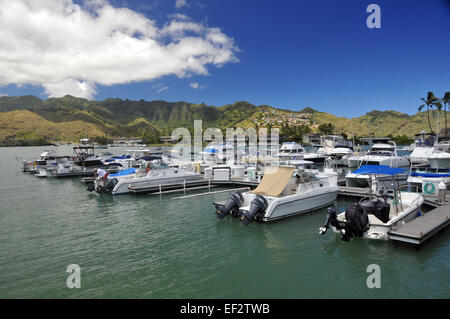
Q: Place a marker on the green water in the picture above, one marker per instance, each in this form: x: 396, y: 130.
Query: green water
x: 153, y: 246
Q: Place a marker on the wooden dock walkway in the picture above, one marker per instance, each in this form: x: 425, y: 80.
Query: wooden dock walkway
x: 422, y: 228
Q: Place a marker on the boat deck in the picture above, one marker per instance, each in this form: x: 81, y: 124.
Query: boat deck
x: 422, y: 228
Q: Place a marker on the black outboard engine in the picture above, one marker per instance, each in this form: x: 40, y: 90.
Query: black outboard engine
x: 257, y: 208
x: 356, y: 222
x: 109, y: 186
x: 331, y: 220
x: 91, y: 187
x: 232, y: 206
x: 378, y: 208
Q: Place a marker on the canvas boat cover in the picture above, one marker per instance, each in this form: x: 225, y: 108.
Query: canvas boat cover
x: 274, y: 181
x: 378, y: 170
x: 124, y: 172
x: 432, y: 175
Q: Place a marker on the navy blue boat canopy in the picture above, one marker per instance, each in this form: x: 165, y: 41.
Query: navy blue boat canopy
x: 379, y: 170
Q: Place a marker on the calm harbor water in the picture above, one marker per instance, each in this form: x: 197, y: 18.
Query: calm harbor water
x: 153, y: 246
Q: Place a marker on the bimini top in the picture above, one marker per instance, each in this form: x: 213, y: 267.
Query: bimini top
x: 274, y: 181
x: 378, y: 170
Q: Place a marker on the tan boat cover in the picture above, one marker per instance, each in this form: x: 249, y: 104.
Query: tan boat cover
x: 274, y: 181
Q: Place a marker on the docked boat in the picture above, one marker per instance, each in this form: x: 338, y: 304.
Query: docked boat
x: 83, y: 163
x: 48, y: 158
x: 331, y: 142
x: 151, y: 173
x: 440, y: 156
x: 291, y: 151
x: 339, y: 156
x: 218, y: 153
x: 422, y: 148
x: 282, y: 192
x: 385, y: 209
x: 382, y: 152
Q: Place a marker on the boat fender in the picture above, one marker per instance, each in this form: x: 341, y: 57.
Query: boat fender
x: 429, y: 188
x: 257, y: 207
x: 232, y: 205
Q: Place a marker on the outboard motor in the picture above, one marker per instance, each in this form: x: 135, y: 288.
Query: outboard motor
x: 379, y: 208
x: 356, y: 222
x: 331, y: 219
x: 257, y: 208
x: 232, y: 206
x: 91, y: 187
x: 109, y: 186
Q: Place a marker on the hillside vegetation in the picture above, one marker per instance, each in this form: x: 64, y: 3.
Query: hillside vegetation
x: 69, y: 118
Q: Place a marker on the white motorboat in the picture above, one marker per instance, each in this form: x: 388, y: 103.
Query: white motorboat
x: 331, y: 142
x: 48, y: 158
x: 384, y: 154
x: 282, y: 192
x: 440, y: 156
x: 291, y: 151
x: 150, y: 174
x: 83, y: 163
x: 422, y: 148
x: 339, y: 156
x: 374, y: 216
x: 218, y: 153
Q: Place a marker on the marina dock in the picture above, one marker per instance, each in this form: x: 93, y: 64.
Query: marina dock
x: 422, y: 228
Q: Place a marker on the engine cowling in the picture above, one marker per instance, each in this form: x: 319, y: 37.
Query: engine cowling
x: 232, y: 205
x: 109, y: 186
x: 331, y: 220
x: 257, y: 208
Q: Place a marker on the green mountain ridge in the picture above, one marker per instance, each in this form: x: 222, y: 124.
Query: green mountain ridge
x: 117, y: 117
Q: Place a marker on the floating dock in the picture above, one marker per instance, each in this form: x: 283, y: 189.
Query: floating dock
x: 422, y: 228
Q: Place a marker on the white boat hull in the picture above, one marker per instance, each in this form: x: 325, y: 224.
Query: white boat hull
x: 123, y: 186
x: 439, y: 162
x: 297, y: 206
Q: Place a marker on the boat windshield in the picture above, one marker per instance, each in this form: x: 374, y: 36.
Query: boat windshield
x: 305, y: 177
x: 442, y: 149
x: 158, y: 164
x: 381, y: 151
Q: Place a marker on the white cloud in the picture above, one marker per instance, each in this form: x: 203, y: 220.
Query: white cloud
x: 164, y: 88
x: 70, y: 49
x: 181, y: 3
x: 195, y: 85
x: 1, y: 94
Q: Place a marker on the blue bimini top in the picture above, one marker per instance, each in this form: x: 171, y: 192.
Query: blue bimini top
x: 378, y: 170
x: 127, y: 171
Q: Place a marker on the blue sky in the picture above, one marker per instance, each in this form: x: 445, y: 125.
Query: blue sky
x: 294, y: 54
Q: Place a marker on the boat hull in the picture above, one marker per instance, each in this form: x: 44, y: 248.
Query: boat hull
x: 123, y: 186
x: 300, y: 206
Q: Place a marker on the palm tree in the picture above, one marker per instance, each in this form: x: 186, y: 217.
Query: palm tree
x: 438, y: 106
x: 446, y: 100
x: 429, y: 102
